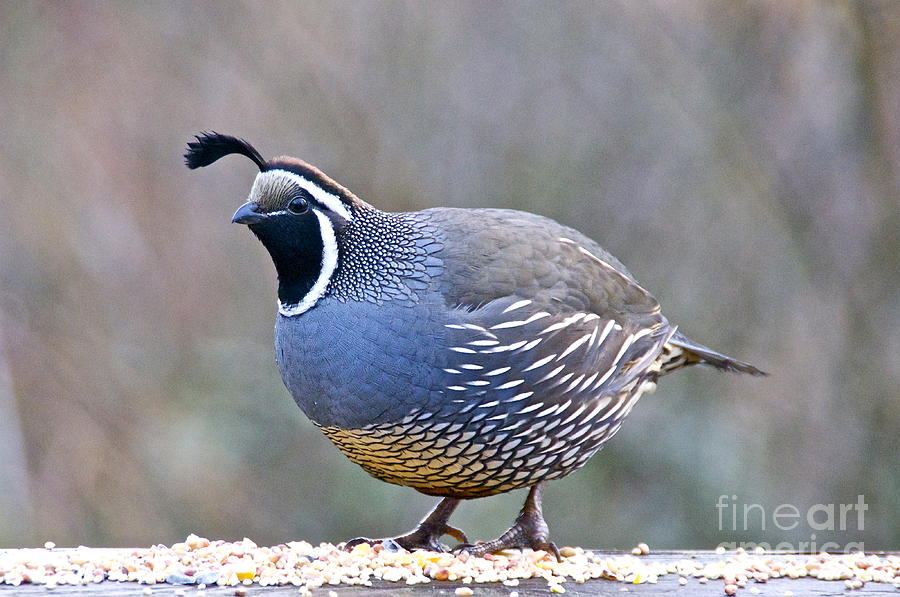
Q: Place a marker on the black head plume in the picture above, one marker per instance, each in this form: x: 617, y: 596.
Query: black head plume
x: 211, y: 146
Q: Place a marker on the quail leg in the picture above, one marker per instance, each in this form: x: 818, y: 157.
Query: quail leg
x: 427, y: 534
x: 529, y: 530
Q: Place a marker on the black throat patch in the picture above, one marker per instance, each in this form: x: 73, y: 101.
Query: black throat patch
x: 296, y: 247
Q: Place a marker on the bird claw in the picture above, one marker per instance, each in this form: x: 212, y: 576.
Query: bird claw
x: 388, y: 543
x: 423, y: 537
x: 530, y: 530
x: 483, y: 548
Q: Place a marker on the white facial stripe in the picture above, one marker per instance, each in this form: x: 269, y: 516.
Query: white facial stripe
x: 332, y: 202
x: 329, y: 264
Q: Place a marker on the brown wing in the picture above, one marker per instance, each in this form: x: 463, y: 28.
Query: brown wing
x: 569, y: 343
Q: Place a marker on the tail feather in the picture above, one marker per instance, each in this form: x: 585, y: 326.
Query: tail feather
x: 681, y: 351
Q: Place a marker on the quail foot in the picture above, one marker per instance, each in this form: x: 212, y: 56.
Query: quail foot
x: 460, y: 352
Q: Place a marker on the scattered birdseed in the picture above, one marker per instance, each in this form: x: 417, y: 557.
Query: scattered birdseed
x: 49, y: 545
x: 568, y: 552
x: 201, y: 562
x: 464, y: 592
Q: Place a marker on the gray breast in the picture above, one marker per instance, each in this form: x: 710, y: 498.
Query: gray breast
x: 349, y: 364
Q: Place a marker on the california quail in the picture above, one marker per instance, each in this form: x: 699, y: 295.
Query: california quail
x: 460, y: 352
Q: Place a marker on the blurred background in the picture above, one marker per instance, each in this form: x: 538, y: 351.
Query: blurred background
x: 741, y: 158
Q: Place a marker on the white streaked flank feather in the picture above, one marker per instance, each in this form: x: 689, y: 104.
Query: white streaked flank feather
x: 517, y: 305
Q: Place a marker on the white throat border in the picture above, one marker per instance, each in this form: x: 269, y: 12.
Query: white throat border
x: 329, y: 264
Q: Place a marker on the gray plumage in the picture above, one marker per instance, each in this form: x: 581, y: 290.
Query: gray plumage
x: 539, y: 387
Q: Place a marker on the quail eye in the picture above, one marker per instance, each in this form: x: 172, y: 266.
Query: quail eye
x: 298, y: 205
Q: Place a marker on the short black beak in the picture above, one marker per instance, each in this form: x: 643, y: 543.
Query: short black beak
x: 248, y: 213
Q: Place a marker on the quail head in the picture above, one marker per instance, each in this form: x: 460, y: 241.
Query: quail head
x: 460, y: 352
